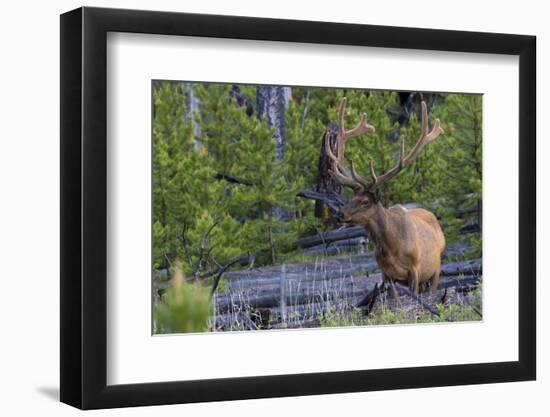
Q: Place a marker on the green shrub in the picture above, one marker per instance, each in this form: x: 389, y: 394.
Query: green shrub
x: 185, y: 308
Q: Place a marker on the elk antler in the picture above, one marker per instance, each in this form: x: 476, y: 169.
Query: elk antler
x: 338, y: 171
x: 349, y: 177
x: 404, y: 161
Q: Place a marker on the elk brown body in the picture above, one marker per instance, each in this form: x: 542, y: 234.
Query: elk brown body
x: 408, y: 242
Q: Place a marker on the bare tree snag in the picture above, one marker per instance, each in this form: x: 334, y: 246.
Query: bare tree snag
x: 272, y: 102
x: 325, y: 183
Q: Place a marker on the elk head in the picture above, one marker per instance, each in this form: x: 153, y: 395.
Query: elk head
x: 367, y: 193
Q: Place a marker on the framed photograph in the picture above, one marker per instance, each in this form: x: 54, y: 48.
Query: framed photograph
x: 256, y: 208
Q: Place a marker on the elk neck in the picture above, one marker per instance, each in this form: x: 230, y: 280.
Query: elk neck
x: 379, y: 228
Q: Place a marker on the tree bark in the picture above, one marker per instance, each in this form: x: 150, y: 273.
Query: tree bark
x: 325, y: 183
x: 193, y: 111
x: 270, y: 239
x: 271, y: 104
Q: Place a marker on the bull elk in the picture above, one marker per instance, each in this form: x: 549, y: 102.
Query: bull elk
x: 408, y: 242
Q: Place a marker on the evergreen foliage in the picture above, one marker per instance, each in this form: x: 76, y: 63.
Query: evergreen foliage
x: 206, y: 221
x: 186, y: 307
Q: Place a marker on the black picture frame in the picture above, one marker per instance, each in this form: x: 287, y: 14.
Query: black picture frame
x: 84, y: 207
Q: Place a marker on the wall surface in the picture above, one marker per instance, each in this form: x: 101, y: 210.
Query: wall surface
x: 29, y: 219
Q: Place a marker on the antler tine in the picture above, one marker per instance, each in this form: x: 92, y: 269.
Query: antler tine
x: 345, y: 180
x: 328, y: 150
x: 372, y: 173
x: 401, y: 151
x: 436, y: 131
x: 341, y: 128
x: 424, y: 119
x: 425, y: 138
x: 338, y: 171
x: 362, y: 127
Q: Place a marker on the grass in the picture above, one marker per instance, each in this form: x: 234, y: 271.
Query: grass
x: 386, y: 314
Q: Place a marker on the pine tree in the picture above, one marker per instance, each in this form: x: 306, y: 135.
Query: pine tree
x: 172, y: 139
x: 462, y: 116
x: 270, y: 187
x: 188, y: 220
x: 304, y: 137
x: 242, y: 147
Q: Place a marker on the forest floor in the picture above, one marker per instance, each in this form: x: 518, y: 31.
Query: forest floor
x: 343, y: 287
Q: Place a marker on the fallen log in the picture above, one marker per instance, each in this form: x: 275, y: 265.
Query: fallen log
x: 305, y: 324
x: 270, y: 317
x: 349, y: 291
x: 236, y: 321
x: 401, y: 289
x: 469, y: 267
x: 239, y: 260
x: 367, y: 303
x: 344, y: 273
x: 464, y: 284
x: 457, y: 251
x: 356, y: 271
x: 369, y: 300
x: 329, y: 237
x: 239, y: 302
x: 333, y: 200
x: 299, y: 315
x: 357, y: 267
x: 300, y: 268
x: 341, y: 247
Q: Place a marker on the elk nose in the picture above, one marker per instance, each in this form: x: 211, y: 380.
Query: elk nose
x: 339, y: 216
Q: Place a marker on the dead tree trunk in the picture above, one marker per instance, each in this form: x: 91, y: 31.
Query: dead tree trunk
x: 325, y: 183
x: 272, y: 102
x: 193, y: 111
